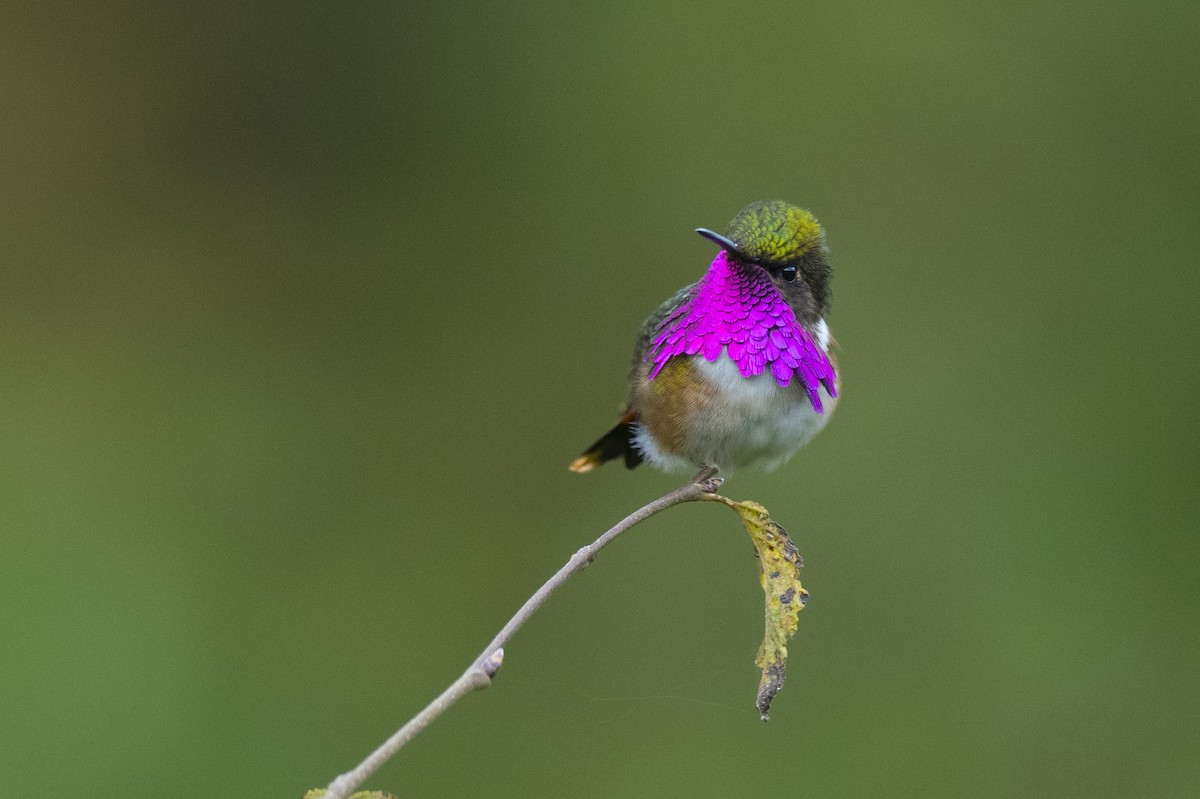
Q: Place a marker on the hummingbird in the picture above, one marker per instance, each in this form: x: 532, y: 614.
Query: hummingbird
x: 734, y: 370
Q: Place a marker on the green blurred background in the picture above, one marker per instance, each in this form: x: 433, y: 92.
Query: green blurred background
x: 305, y: 308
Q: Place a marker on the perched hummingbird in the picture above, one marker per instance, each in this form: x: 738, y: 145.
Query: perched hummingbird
x: 734, y: 370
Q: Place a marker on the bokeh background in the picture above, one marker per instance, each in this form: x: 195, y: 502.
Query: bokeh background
x: 305, y: 308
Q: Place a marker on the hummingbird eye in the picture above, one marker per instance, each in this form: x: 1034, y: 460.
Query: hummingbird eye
x: 788, y: 273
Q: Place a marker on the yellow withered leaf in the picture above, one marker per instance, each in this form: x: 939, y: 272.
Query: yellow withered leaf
x: 779, y: 567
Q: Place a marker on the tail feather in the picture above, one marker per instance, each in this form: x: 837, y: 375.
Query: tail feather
x: 616, y: 443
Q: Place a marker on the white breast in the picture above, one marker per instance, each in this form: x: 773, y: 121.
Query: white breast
x: 763, y: 424
x: 756, y: 422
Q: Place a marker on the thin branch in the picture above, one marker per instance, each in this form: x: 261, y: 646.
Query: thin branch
x: 481, y: 672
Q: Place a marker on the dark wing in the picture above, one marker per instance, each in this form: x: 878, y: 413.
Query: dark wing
x: 618, y: 442
x: 650, y: 326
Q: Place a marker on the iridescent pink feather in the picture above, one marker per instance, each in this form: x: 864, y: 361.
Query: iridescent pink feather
x: 739, y: 311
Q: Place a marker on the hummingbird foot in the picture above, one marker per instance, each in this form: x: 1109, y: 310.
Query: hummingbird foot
x: 707, y: 478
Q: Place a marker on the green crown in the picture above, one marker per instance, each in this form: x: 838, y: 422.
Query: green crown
x: 772, y: 230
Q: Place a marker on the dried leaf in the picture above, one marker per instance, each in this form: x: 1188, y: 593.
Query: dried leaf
x: 779, y: 572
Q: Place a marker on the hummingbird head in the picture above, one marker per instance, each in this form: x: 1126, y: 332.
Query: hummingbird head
x: 787, y: 243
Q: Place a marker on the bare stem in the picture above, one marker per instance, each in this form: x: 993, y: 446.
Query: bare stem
x: 480, y: 673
